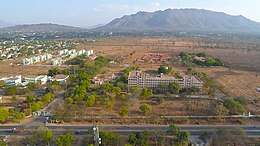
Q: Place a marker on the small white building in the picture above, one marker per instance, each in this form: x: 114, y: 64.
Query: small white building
x: 1, y: 99
x: 60, y: 78
x: 42, y: 79
x: 14, y: 80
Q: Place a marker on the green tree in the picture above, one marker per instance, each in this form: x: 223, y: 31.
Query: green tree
x: 4, y: 114
x: 233, y: 106
x: 2, y: 84
x: 174, y: 88
x: 221, y: 110
x: 177, y: 75
x: 3, y: 143
x: 140, y: 138
x: 183, y: 137
x: 65, y: 140
x: 173, y: 130
x: 123, y: 111
x: 110, y: 138
x: 30, y: 99
x: 18, y: 116
x: 91, y: 100
x: 12, y: 90
x: 70, y: 100
x: 35, y: 106
x: 47, y: 136
x: 146, y: 93
x: 31, y: 86
x: 145, y: 108
x: 136, y: 90
x: 164, y: 69
x: 47, y: 98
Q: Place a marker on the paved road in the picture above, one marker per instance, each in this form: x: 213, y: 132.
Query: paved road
x: 193, y: 129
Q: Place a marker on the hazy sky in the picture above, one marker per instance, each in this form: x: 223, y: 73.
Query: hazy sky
x: 92, y: 12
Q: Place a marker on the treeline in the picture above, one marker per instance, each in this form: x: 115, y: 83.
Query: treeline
x: 204, y: 61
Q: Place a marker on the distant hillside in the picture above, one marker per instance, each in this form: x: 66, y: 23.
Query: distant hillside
x: 4, y: 24
x: 95, y: 26
x: 182, y: 20
x: 44, y: 27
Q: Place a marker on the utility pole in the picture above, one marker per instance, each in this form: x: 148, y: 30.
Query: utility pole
x: 96, y: 136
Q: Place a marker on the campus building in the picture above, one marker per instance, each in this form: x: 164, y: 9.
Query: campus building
x: 138, y: 78
x: 42, y: 79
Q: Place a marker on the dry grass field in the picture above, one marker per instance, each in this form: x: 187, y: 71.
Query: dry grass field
x: 240, y: 81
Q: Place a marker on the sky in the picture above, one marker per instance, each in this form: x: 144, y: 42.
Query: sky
x: 83, y: 13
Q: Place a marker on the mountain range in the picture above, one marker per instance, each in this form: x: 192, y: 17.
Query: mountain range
x: 167, y: 20
x: 43, y: 27
x: 4, y: 24
x: 182, y: 20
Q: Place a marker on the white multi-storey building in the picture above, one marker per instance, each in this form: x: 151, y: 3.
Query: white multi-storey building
x: 13, y: 80
x: 42, y: 79
x: 138, y: 78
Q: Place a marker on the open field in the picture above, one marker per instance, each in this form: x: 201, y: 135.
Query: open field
x: 241, y: 80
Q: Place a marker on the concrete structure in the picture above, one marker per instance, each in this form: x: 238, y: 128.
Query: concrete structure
x: 138, y: 78
x: 42, y: 79
x: 60, y: 78
x: 13, y: 80
x: 35, y: 59
x: 57, y: 61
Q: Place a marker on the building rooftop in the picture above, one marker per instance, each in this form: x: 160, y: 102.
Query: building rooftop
x: 134, y: 74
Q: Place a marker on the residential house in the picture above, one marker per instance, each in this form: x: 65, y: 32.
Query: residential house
x: 13, y: 80
x: 42, y: 79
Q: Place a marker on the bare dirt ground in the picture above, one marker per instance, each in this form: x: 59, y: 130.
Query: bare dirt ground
x: 236, y: 82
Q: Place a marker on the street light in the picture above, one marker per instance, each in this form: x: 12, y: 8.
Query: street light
x: 96, y: 135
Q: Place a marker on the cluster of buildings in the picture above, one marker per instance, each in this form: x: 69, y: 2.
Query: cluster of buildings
x: 138, y: 78
x: 70, y: 54
x: 41, y: 79
x: 73, y: 53
x: 35, y: 59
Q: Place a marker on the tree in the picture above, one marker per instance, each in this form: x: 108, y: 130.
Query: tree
x: 18, y: 116
x: 140, y: 138
x: 12, y: 90
x: 30, y: 99
x: 146, y: 93
x: 164, y: 69
x: 4, y: 114
x: 2, y: 143
x: 65, y: 140
x: 183, y: 137
x: 174, y: 130
x: 47, y: 136
x: 70, y: 100
x: 234, y: 106
x: 31, y: 86
x: 91, y: 100
x: 110, y: 138
x: 35, y: 106
x: 221, y: 110
x: 177, y: 75
x: 2, y: 84
x: 47, y: 98
x: 136, y: 90
x: 124, y: 111
x: 145, y: 108
x: 54, y: 72
x: 174, y: 88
